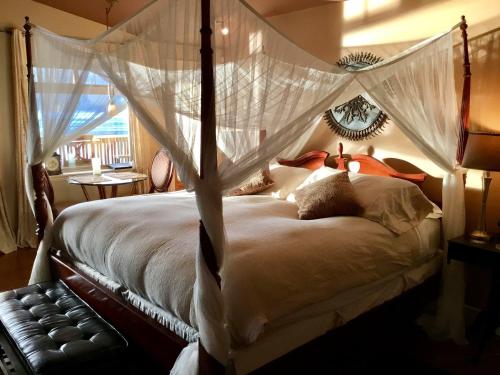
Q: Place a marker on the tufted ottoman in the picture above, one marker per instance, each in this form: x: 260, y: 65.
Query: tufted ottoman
x: 55, y: 332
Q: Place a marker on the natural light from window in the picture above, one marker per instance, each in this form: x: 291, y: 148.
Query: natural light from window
x: 109, y: 141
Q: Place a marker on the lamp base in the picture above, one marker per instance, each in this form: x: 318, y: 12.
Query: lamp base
x: 480, y: 236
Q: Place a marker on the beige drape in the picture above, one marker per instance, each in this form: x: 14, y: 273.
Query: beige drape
x: 144, y: 148
x: 7, y: 239
x: 25, y: 236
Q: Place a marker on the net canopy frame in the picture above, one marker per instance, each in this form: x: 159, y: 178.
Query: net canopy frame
x: 229, y: 95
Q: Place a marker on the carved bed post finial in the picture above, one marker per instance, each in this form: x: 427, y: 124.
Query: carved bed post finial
x: 341, y: 161
x: 465, y: 108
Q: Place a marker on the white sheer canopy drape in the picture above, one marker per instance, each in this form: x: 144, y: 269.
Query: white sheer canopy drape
x: 71, y: 99
x: 263, y: 82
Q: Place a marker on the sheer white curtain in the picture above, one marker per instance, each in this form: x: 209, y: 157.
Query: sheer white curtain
x: 419, y: 94
x: 67, y: 106
x: 262, y: 82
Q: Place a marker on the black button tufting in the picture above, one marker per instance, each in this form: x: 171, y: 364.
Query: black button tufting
x: 55, y: 321
x: 55, y: 331
x: 67, y: 302
x: 66, y: 334
x: 35, y: 299
x: 55, y: 293
x: 79, y: 313
x: 44, y: 309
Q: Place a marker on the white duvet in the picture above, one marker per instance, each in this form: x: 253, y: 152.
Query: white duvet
x: 274, y: 265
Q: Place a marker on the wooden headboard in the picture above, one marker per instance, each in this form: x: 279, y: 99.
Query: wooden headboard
x: 367, y: 164
x: 312, y: 160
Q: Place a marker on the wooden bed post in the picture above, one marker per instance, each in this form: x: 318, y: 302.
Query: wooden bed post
x: 465, y: 109
x: 208, y: 162
x: 37, y: 170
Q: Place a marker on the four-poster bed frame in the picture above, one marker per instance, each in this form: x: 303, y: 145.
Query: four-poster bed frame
x: 156, y: 341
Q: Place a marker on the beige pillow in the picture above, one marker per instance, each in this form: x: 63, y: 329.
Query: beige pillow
x: 257, y: 183
x: 397, y: 204
x: 286, y: 179
x: 317, y: 175
x: 330, y: 196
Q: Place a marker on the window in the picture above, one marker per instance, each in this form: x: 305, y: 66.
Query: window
x: 109, y: 141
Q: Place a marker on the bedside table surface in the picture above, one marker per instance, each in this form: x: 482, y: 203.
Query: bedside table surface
x: 483, y: 254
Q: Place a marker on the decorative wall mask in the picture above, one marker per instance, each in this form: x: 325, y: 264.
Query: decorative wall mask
x: 358, y: 118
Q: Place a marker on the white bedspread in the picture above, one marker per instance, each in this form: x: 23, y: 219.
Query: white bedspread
x: 275, y: 264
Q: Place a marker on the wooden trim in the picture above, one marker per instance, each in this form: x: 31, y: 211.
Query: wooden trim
x: 208, y: 164
x: 311, y: 160
x: 37, y: 170
x: 208, y: 160
x: 41, y: 210
x: 465, y: 108
x: 370, y: 165
x: 209, y: 254
x: 146, y: 336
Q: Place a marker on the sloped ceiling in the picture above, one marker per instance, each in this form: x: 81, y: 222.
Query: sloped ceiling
x: 123, y: 9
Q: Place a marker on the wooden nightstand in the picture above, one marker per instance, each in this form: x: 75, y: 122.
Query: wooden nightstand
x: 487, y: 256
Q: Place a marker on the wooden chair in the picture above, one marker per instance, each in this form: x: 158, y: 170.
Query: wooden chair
x: 161, y: 172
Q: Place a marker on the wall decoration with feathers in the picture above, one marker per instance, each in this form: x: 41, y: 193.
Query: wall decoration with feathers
x: 359, y: 118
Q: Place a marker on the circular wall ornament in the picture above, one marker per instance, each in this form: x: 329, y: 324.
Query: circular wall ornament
x: 359, y: 118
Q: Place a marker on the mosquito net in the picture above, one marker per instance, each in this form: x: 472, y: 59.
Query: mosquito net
x: 263, y: 82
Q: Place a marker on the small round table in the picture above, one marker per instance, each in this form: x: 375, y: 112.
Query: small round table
x: 113, y: 179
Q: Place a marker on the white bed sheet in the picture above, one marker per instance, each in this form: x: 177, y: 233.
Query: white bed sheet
x: 275, y: 265
x: 295, y: 330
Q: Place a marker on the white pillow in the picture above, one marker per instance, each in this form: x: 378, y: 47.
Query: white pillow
x: 286, y: 179
x: 436, y: 212
x: 317, y: 175
x: 397, y: 204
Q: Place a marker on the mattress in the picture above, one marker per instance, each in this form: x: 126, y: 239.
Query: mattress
x: 275, y: 265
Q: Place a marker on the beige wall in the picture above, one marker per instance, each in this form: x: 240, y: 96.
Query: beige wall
x: 389, y: 25
x: 12, y: 13
x: 318, y: 30
x: 7, y: 138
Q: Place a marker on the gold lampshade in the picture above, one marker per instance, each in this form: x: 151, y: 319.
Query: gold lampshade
x: 482, y: 152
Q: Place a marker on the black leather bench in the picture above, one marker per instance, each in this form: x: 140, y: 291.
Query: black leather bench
x: 55, y: 332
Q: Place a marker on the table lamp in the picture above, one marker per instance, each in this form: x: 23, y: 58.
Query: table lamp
x: 482, y: 152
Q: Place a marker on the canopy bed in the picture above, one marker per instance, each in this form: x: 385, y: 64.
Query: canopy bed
x: 243, y: 83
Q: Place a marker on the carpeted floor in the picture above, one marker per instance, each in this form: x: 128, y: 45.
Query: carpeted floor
x: 395, y: 347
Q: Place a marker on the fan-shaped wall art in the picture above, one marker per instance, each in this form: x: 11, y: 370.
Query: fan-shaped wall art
x: 359, y: 118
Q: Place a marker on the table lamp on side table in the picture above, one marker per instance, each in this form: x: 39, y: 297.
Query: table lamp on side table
x: 482, y: 152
